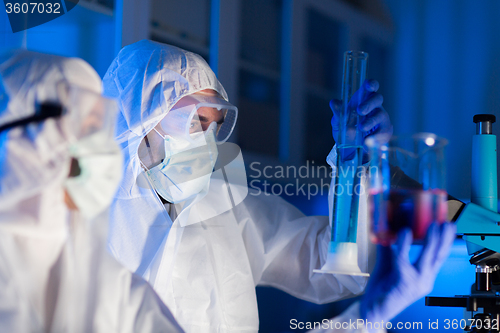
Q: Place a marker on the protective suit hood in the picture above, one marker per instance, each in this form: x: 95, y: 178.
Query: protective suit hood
x: 148, y: 78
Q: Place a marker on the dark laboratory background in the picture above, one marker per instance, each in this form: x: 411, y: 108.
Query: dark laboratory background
x: 438, y: 63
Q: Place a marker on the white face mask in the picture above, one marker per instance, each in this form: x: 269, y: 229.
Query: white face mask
x: 187, y: 167
x: 100, y: 173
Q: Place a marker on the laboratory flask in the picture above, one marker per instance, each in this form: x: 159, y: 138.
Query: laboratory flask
x: 406, y: 185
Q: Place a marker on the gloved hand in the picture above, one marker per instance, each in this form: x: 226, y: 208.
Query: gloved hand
x: 368, y: 103
x: 396, y: 283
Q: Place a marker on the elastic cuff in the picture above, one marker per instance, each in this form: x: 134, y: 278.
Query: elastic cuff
x: 332, y: 156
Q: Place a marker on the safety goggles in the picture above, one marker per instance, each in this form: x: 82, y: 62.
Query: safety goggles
x: 196, y: 112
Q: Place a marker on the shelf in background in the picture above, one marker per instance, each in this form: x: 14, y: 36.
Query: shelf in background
x: 160, y: 35
x: 259, y: 70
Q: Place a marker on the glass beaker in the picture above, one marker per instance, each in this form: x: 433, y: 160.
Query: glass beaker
x: 407, y: 185
x: 343, y: 251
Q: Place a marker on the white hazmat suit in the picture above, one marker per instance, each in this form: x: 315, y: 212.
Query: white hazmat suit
x: 55, y: 272
x: 205, y: 266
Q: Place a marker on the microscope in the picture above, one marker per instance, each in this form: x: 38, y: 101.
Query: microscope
x: 479, y: 224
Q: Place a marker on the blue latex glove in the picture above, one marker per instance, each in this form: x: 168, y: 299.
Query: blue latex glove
x: 396, y: 283
x: 368, y: 103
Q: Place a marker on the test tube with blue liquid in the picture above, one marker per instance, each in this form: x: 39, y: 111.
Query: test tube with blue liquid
x: 342, y: 255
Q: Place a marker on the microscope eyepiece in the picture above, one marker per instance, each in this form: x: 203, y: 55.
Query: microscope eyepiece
x: 484, y: 123
x: 479, y: 118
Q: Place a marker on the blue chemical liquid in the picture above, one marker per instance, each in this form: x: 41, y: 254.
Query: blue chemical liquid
x: 347, y: 190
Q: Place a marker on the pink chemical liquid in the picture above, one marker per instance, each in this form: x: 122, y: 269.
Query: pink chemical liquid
x: 415, y: 209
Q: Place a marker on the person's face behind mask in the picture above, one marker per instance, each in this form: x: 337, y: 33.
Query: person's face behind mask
x: 179, y: 167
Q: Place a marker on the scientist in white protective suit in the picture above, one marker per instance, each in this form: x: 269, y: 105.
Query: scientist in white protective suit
x: 59, y: 169
x: 197, y: 239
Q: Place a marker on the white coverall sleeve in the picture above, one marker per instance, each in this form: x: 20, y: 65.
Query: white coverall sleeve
x: 149, y: 312
x: 348, y: 321
x: 284, y: 246
x: 132, y: 301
